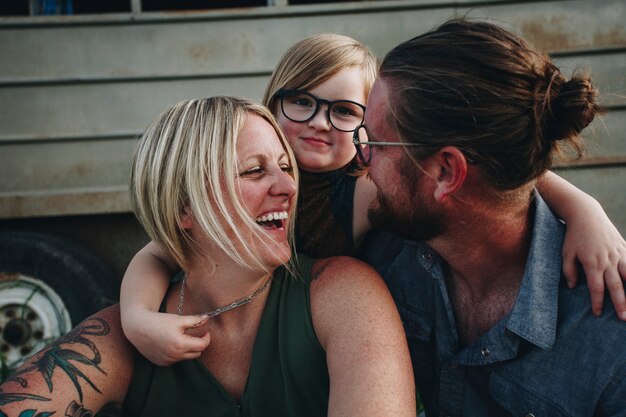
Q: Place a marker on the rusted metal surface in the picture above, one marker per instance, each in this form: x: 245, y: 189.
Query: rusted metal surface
x: 76, y: 91
x: 64, y: 202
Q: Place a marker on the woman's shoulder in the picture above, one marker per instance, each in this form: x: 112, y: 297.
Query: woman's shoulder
x: 340, y: 268
x: 356, y: 320
x: 341, y: 280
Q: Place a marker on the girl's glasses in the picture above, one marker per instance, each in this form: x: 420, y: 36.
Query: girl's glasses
x: 302, y: 106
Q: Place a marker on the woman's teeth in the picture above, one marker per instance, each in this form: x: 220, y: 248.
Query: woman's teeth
x: 279, y: 215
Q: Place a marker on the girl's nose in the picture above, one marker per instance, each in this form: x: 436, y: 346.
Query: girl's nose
x: 321, y: 119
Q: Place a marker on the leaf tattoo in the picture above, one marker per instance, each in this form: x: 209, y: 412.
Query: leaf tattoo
x: 30, y: 413
x: 58, y: 355
x: 6, y: 398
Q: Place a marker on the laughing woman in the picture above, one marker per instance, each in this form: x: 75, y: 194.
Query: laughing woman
x: 214, y: 184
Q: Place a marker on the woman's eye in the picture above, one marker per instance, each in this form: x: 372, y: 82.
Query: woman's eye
x: 286, y: 168
x: 252, y: 172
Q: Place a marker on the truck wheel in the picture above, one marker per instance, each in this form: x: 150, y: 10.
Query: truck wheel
x: 47, y: 286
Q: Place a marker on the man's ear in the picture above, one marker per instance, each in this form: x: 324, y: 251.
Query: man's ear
x: 451, y: 172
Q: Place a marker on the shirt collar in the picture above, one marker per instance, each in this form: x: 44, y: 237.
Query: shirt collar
x: 534, y: 315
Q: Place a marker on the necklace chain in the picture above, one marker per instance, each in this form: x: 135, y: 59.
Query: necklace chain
x: 237, y: 303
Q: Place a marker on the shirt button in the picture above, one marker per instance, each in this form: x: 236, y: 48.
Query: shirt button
x: 426, y: 256
x: 485, y: 352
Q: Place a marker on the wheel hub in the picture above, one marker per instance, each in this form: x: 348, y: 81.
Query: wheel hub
x: 31, y: 315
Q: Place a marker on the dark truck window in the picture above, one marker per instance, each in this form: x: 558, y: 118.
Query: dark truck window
x: 71, y: 7
x: 61, y: 7
x: 155, y: 5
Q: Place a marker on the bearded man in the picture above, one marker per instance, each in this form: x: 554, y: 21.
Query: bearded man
x: 474, y: 264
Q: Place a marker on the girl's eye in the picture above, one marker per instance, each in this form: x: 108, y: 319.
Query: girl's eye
x: 347, y: 110
x: 303, y: 102
x: 343, y: 110
x: 286, y: 168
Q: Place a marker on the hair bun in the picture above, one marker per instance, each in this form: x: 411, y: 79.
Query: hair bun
x: 572, y: 108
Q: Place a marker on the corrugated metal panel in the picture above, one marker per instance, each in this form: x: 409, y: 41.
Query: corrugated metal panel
x: 607, y: 185
x: 74, y: 92
x: 98, y: 109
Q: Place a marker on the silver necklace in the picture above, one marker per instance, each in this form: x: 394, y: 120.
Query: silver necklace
x: 237, y: 303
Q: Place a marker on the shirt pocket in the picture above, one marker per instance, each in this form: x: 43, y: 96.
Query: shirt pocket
x: 523, y: 401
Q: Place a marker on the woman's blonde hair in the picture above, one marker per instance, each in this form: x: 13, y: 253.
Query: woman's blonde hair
x: 313, y: 60
x: 186, y: 163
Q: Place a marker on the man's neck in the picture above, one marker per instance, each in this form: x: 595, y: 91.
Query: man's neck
x: 485, y: 252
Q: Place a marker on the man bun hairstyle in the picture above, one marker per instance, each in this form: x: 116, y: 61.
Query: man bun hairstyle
x: 477, y: 86
x: 571, y: 108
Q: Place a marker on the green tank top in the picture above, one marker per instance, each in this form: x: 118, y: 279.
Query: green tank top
x: 288, y: 375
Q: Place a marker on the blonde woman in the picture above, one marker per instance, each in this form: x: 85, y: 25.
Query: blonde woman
x: 214, y: 184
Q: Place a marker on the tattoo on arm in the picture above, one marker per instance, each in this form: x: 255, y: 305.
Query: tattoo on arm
x: 31, y: 413
x: 60, y: 355
x: 77, y: 410
x: 73, y: 410
x: 320, y: 271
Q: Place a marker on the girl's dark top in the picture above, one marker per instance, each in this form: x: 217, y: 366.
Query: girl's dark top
x: 288, y: 375
x: 325, y: 212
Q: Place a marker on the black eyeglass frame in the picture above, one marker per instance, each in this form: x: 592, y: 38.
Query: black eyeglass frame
x: 359, y: 149
x: 285, y: 92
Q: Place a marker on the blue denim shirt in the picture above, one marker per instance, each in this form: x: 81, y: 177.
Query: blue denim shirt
x: 548, y: 357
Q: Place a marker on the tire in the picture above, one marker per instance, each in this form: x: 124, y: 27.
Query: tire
x: 47, y: 286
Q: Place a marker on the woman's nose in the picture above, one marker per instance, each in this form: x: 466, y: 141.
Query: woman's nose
x: 284, y: 185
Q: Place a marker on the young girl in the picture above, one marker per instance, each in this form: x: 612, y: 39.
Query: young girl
x: 318, y: 93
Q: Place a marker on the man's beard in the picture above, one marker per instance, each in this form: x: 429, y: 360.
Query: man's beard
x: 414, y: 219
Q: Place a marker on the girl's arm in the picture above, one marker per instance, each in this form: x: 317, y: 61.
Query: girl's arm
x: 160, y: 337
x: 591, y: 239
x: 358, y: 326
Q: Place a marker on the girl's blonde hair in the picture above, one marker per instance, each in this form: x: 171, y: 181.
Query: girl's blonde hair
x: 186, y: 163
x: 313, y: 60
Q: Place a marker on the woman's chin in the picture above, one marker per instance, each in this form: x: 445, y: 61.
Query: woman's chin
x: 276, y: 255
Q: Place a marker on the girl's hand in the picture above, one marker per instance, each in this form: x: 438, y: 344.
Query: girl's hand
x: 163, y: 339
x: 592, y: 240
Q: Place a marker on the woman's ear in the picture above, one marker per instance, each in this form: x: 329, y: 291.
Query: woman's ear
x: 186, y: 219
x: 452, y: 171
